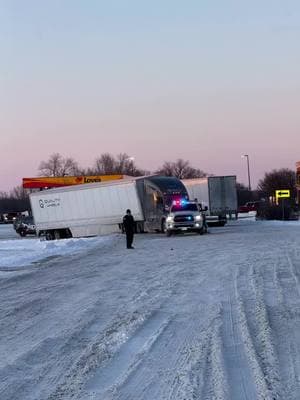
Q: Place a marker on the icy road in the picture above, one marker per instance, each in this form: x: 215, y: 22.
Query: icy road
x: 181, y: 318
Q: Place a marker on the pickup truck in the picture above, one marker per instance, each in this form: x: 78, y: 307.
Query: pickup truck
x: 25, y: 226
x: 184, y: 216
x: 250, y: 206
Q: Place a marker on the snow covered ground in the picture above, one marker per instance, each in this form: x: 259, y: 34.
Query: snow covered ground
x: 17, y: 254
x: 188, y: 317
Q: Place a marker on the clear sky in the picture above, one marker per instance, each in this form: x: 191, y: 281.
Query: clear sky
x: 202, y: 80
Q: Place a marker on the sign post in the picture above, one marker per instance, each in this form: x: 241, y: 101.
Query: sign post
x: 282, y: 194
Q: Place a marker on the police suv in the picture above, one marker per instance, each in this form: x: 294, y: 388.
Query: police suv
x: 184, y: 216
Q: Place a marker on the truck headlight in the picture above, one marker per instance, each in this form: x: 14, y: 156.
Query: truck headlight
x: 198, y: 218
x: 169, y: 219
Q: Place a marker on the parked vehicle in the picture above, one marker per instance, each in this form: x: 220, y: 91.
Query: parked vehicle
x: 249, y: 206
x: 216, y: 194
x: 98, y: 208
x: 9, y: 218
x: 19, y: 218
x: 184, y: 216
x: 25, y: 226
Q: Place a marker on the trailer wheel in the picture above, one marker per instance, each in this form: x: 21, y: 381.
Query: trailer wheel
x: 163, y: 226
x: 140, y: 227
x: 49, y: 235
x: 68, y: 234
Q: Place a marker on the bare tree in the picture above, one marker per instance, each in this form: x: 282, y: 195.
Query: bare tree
x: 126, y: 165
x: 19, y: 193
x: 106, y: 164
x: 87, y: 171
x: 69, y: 167
x: 181, y: 169
x: 58, y: 166
x: 122, y: 164
x: 3, y: 195
x: 15, y: 201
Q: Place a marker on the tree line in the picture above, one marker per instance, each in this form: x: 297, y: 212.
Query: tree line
x: 122, y: 164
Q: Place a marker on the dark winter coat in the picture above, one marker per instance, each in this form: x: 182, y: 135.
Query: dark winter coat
x: 128, y: 223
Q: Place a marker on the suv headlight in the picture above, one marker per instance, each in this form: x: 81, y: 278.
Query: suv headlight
x: 198, y: 218
x: 169, y: 219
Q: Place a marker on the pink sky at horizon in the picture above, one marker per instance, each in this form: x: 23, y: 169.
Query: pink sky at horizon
x: 214, y: 144
x: 203, y: 83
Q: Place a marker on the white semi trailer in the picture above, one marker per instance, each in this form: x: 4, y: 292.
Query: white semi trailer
x: 98, y: 208
x: 217, y: 193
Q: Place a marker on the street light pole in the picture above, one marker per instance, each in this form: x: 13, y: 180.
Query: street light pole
x: 248, y: 168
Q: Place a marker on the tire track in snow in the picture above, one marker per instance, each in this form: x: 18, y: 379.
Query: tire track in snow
x: 294, y: 273
x: 78, y: 342
x: 174, y: 368
x: 255, y: 332
x: 153, y: 300
x: 216, y: 383
x: 107, y: 379
x: 238, y: 371
x: 98, y: 352
x: 78, y: 337
x: 198, y: 361
x: 263, y: 335
x: 288, y: 325
x: 101, y: 348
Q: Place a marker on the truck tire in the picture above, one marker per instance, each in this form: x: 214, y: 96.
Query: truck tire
x: 201, y: 231
x: 49, y: 235
x: 140, y: 227
x: 169, y: 233
x: 22, y: 233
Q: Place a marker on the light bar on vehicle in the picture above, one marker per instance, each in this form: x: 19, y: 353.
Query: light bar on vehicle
x: 179, y: 202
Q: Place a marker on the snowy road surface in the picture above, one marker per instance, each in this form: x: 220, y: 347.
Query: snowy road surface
x: 181, y: 318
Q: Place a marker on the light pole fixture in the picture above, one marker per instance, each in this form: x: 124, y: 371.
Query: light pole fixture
x: 129, y: 164
x: 248, y: 168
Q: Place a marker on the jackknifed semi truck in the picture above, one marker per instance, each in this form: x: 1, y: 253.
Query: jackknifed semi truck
x: 217, y: 196
x: 98, y: 208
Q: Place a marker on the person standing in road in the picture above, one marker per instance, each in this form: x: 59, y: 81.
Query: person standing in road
x: 203, y: 212
x: 129, y: 225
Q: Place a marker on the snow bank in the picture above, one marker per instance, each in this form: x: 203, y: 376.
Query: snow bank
x: 19, y: 253
x: 248, y: 215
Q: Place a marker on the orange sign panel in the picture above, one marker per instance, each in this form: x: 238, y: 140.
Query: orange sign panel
x: 58, y: 181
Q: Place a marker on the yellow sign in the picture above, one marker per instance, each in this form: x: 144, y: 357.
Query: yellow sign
x: 281, y: 194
